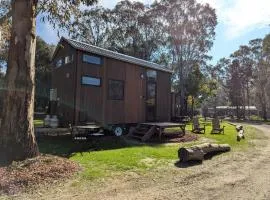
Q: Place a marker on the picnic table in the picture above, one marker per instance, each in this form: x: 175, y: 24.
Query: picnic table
x: 161, y: 126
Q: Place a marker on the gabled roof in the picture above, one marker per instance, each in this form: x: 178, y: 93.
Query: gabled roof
x: 111, y: 54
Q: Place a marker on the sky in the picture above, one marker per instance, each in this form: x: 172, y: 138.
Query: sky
x: 239, y: 21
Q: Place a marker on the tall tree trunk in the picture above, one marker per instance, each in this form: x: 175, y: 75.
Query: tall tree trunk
x: 215, y: 107
x: 17, y: 139
x: 183, y: 104
x: 243, y: 110
x: 192, y: 107
x: 248, y: 100
x: 263, y: 105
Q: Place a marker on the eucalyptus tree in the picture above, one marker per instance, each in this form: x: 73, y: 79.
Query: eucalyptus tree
x: 234, y: 86
x: 261, y: 56
x: 125, y: 35
x: 137, y: 31
x: 93, y: 27
x: 191, y: 30
x: 17, y: 140
x: 243, y: 55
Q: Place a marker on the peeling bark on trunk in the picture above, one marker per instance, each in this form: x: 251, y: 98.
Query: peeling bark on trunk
x: 17, y: 139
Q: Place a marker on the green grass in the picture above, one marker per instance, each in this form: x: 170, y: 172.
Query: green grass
x: 229, y: 136
x: 102, y: 157
x: 38, y: 123
x: 139, y: 159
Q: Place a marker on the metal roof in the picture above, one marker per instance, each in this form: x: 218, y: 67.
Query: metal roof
x: 111, y: 54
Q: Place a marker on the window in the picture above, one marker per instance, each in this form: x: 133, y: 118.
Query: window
x: 88, y: 80
x: 59, y: 63
x: 92, y: 59
x: 116, y: 90
x: 68, y: 59
x: 151, y: 75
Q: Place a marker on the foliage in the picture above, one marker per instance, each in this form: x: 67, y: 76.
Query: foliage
x: 191, y: 30
x: 4, y: 33
x: 43, y: 73
x: 93, y: 27
x: 130, y: 28
x: 244, y: 76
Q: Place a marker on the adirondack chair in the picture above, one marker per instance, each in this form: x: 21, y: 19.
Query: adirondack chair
x: 216, y: 127
x: 196, y: 127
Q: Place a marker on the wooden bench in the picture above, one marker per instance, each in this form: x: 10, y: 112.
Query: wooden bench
x: 216, y: 127
x: 196, y: 127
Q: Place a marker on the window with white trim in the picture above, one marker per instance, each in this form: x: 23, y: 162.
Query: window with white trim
x: 88, y: 80
x: 92, y: 59
x: 68, y: 59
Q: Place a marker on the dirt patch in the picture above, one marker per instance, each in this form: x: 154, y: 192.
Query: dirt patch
x: 31, y: 173
x: 175, y: 138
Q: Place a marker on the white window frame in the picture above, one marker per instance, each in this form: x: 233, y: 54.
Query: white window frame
x: 87, y: 59
x: 91, y: 81
x: 68, y: 59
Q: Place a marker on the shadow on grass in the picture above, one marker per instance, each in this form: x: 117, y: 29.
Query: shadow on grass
x: 180, y: 164
x: 64, y: 145
x: 192, y: 163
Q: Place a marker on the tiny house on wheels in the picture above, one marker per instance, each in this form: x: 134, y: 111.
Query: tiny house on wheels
x: 111, y: 89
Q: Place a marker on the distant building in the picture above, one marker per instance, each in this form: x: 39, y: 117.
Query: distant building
x: 232, y: 110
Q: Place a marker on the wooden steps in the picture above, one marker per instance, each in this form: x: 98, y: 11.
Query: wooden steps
x: 142, y: 132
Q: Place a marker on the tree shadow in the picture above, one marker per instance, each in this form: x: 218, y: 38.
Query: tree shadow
x: 187, y: 164
x: 192, y: 163
x: 64, y: 145
x: 209, y: 156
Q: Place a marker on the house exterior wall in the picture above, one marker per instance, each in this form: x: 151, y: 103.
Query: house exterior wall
x: 63, y: 78
x: 89, y: 99
x: 131, y: 108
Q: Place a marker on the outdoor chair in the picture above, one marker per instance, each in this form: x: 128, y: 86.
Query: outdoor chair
x: 216, y: 127
x: 196, y: 127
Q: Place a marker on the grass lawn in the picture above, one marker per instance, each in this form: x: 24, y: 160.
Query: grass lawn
x: 230, y: 134
x: 38, y: 123
x: 102, y: 157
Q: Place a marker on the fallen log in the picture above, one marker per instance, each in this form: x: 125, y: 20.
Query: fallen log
x: 198, y: 152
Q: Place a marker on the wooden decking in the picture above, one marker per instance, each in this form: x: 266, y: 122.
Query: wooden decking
x: 145, y: 131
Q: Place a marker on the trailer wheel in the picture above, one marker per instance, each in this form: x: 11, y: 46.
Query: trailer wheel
x: 118, y: 131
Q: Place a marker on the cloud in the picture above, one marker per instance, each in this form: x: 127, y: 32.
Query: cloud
x: 237, y: 17
x: 241, y: 16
